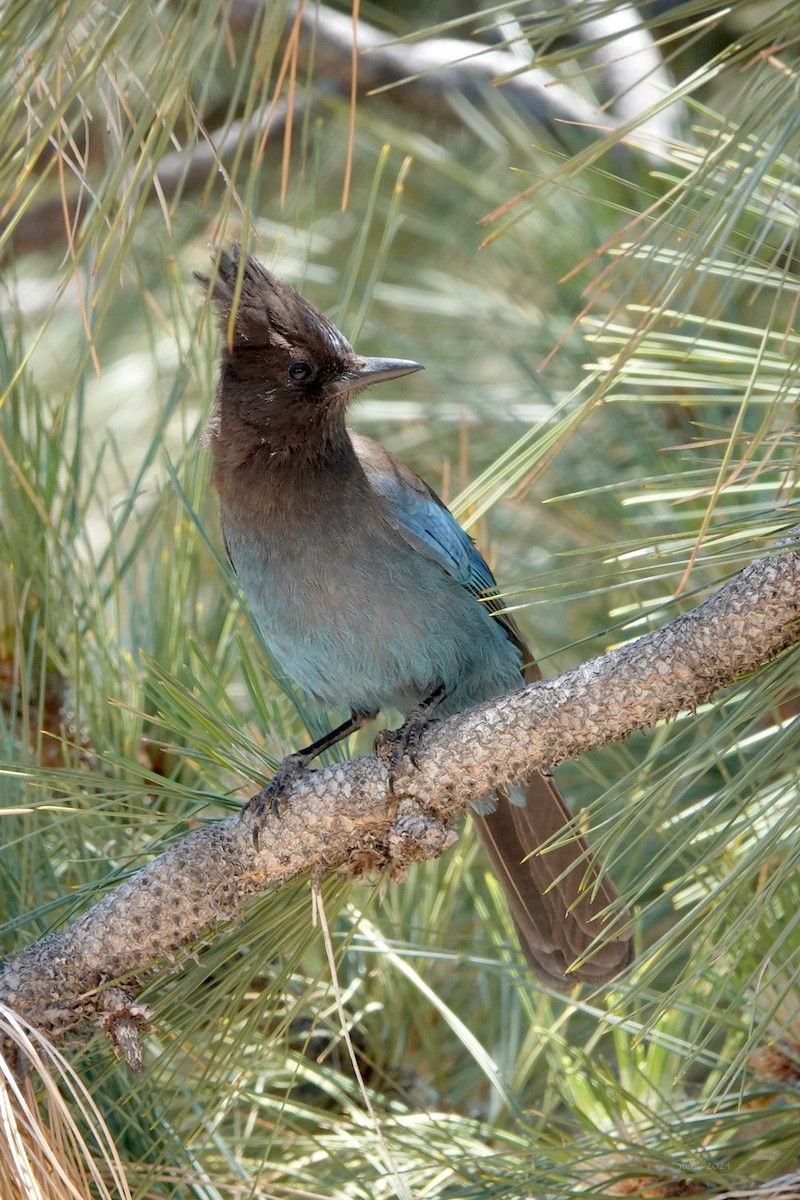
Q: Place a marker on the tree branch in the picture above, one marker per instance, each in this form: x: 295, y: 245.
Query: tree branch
x: 344, y: 816
x: 424, y: 75
x: 634, y: 74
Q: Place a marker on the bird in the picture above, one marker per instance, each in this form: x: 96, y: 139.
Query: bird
x: 370, y: 595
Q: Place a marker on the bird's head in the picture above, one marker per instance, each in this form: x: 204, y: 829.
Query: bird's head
x: 287, y: 371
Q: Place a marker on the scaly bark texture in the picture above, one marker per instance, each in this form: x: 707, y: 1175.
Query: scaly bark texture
x: 345, y: 816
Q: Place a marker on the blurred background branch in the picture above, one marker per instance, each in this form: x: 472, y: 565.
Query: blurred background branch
x: 424, y: 75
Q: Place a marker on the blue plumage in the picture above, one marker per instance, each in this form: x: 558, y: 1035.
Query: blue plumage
x: 361, y: 618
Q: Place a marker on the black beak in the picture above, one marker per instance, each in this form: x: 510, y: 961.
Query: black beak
x: 377, y: 370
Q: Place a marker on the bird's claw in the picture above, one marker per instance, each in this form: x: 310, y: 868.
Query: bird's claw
x: 397, y: 746
x: 269, y: 799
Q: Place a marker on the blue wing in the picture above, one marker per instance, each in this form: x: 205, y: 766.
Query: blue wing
x: 418, y: 515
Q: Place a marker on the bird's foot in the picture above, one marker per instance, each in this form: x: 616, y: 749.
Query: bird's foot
x: 398, y: 746
x: 269, y: 799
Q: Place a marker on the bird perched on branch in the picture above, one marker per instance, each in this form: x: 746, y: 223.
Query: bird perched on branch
x: 370, y: 595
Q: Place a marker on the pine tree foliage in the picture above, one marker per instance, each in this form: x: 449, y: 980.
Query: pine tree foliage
x: 607, y: 311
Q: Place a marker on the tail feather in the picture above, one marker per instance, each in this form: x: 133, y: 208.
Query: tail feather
x: 557, y: 919
x: 556, y: 899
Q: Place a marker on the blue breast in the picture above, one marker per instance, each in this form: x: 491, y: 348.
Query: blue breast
x: 362, y: 620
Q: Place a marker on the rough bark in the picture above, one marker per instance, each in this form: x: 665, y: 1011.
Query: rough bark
x: 345, y: 816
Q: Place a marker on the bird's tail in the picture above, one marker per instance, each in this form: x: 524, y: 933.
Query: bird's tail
x: 558, y: 898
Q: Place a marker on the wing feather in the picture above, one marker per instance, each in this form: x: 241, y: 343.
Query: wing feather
x: 415, y: 511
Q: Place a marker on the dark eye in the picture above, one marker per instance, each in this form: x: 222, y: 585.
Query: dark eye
x: 299, y: 371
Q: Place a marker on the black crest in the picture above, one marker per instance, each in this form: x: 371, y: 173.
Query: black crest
x: 268, y: 311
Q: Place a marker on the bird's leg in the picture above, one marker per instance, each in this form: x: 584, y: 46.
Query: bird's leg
x: 293, y: 766
x: 395, y: 745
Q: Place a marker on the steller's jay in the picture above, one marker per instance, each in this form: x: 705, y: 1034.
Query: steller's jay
x: 369, y: 594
